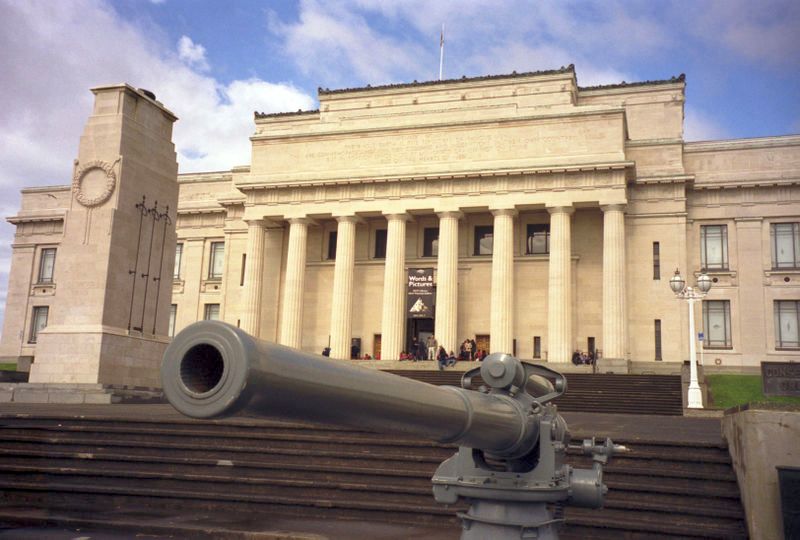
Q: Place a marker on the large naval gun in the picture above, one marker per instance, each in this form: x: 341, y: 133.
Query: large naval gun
x: 511, y: 440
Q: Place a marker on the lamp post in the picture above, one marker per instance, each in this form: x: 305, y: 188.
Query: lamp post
x: 694, y: 399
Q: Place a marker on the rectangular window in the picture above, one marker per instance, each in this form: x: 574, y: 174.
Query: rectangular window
x: 332, y: 236
x: 178, y: 258
x: 211, y: 312
x: 380, y: 244
x: 537, y: 346
x: 714, y: 247
x: 785, y: 245
x: 538, y: 239
x: 173, y: 314
x: 38, y: 322
x: 244, y: 265
x: 216, y: 260
x: 656, y: 260
x: 658, y: 339
x: 47, y: 264
x: 787, y: 317
x: 484, y: 239
x: 717, y: 324
x: 430, y: 242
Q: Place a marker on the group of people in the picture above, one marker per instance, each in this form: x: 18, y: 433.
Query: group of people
x: 431, y: 350
x: 470, y: 351
x: 583, y: 358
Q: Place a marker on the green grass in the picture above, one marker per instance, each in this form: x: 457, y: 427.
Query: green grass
x: 731, y: 390
x: 8, y: 367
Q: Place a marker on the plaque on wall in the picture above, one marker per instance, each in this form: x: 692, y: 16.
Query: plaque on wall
x: 780, y: 378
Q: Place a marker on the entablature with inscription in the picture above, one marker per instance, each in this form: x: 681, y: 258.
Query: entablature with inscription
x: 582, y: 140
x: 744, y: 163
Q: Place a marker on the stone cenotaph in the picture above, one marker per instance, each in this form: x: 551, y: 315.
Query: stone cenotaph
x: 108, y: 326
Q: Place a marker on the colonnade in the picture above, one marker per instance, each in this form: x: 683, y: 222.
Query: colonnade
x: 560, y: 338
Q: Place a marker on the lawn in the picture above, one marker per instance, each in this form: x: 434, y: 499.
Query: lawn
x: 8, y: 367
x: 731, y: 390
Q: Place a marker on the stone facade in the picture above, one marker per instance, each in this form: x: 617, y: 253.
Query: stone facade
x: 561, y: 211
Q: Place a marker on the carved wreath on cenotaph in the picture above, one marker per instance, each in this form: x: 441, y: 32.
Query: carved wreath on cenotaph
x: 94, y: 182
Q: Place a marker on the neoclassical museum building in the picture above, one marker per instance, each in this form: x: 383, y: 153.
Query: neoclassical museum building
x: 532, y: 215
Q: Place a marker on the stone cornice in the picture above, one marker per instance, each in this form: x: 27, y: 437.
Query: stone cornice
x: 761, y: 183
x: 209, y: 176
x: 652, y: 142
x: 37, y: 216
x: 46, y: 189
x: 577, y: 112
x: 576, y: 168
x: 680, y: 79
x: 564, y: 70
x: 207, y: 207
x: 665, y: 179
x: 140, y: 93
x: 741, y: 144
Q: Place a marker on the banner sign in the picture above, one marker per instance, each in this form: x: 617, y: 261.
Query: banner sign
x: 780, y: 378
x: 419, y: 297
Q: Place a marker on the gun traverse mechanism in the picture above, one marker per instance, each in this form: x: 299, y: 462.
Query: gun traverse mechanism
x: 511, y: 439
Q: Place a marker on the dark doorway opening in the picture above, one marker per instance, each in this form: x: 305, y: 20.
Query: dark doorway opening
x: 418, y: 331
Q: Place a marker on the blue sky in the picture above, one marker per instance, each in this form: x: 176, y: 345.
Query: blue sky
x: 213, y: 63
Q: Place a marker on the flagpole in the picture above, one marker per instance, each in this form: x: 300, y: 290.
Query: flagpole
x: 441, y: 52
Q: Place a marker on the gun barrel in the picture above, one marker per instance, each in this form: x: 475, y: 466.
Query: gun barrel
x: 212, y: 369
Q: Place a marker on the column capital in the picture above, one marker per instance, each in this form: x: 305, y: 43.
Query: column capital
x: 352, y: 218
x: 450, y: 214
x: 616, y: 207
x: 257, y: 222
x: 301, y: 221
x: 561, y: 209
x: 505, y: 212
x: 399, y: 216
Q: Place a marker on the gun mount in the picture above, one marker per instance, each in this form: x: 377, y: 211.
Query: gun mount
x: 511, y: 439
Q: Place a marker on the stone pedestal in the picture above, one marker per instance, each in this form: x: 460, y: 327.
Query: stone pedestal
x: 108, y: 324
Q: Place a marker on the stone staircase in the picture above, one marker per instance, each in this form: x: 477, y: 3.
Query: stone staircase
x: 608, y: 393
x: 154, y: 462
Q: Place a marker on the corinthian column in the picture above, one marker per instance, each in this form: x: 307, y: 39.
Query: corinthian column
x: 447, y: 282
x: 292, y: 307
x: 614, y: 343
x: 559, y: 305
x: 501, y: 325
x: 251, y: 320
x: 394, y: 288
x: 342, y: 299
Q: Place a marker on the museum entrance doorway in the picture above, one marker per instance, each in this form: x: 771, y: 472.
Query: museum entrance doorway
x: 421, y: 329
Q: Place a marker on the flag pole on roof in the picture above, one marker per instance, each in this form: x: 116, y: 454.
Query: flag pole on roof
x: 441, y: 52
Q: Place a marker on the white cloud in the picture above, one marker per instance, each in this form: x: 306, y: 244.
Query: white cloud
x: 53, y: 52
x: 698, y: 126
x: 333, y: 43
x: 764, y: 31
x: 192, y: 53
x: 336, y: 41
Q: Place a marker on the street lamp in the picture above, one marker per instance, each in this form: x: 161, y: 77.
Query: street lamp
x: 694, y: 398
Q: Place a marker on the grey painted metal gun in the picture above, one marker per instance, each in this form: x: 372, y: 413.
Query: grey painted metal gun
x: 511, y: 439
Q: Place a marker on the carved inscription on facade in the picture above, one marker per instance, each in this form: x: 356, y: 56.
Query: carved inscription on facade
x: 568, y: 140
